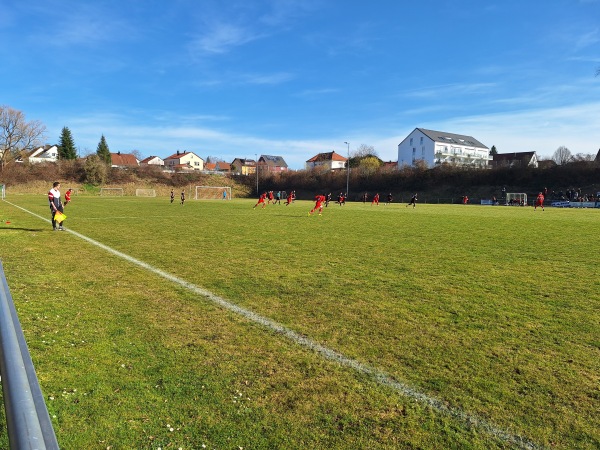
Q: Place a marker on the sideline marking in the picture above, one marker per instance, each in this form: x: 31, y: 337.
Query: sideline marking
x: 469, y: 420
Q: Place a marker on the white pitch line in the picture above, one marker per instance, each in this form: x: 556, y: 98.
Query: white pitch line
x: 380, y: 377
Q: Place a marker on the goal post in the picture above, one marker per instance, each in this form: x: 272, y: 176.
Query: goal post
x: 2, y: 191
x: 112, y: 192
x: 212, y: 193
x: 516, y: 199
x: 145, y: 193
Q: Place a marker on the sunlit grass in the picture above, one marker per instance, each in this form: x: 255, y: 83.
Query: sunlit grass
x: 493, y: 310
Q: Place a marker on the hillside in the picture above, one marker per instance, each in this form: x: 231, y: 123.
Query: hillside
x: 439, y: 185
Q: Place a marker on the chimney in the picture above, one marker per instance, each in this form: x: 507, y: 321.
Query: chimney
x: 118, y: 153
x: 178, y: 152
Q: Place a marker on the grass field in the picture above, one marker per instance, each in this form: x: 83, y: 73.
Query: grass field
x: 479, y: 326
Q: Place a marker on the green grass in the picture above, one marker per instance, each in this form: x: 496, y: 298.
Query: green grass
x: 492, y: 310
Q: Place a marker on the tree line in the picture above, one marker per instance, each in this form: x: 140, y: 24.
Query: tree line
x: 367, y: 170
x: 18, y: 135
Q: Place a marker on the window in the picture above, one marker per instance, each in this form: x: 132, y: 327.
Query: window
x: 411, y: 142
x: 421, y: 140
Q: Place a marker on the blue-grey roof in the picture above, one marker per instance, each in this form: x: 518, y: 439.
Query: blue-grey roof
x: 451, y: 138
x: 273, y: 160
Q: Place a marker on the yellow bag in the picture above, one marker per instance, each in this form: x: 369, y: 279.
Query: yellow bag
x: 59, y: 217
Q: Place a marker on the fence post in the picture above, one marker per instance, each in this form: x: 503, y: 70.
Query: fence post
x: 27, y: 419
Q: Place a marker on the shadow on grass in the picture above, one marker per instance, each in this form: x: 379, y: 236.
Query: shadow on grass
x: 23, y: 229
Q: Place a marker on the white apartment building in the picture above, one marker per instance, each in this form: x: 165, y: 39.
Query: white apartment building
x: 439, y: 147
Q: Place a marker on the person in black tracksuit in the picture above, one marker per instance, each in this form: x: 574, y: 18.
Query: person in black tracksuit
x: 55, y: 205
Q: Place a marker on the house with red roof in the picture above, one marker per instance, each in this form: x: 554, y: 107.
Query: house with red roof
x: 329, y: 160
x: 123, y: 160
x: 184, y: 161
x: 219, y: 166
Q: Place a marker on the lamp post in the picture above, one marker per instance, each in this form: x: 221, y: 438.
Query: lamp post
x: 347, y: 169
x: 256, y: 169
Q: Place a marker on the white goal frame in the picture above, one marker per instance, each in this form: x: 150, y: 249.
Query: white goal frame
x: 145, y: 193
x: 518, y: 199
x: 112, y: 192
x: 2, y: 191
x: 212, y: 193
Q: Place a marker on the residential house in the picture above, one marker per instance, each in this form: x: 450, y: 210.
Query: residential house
x: 440, y: 147
x: 184, y: 161
x: 152, y: 161
x: 389, y: 165
x: 515, y: 159
x: 46, y: 153
x: 123, y: 160
x: 219, y: 166
x: 329, y: 160
x: 268, y: 163
x: 242, y: 166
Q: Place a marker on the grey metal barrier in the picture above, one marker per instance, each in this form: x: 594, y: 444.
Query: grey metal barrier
x: 28, y: 423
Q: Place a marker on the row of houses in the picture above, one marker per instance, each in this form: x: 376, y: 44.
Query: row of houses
x: 421, y: 146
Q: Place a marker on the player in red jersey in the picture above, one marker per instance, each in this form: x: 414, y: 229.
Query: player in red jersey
x: 261, y: 199
x: 375, y: 200
x: 319, y: 200
x: 68, y: 196
x: 290, y: 198
x: 539, y: 201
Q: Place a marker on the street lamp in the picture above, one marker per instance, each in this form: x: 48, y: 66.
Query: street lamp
x: 256, y: 170
x: 347, y: 169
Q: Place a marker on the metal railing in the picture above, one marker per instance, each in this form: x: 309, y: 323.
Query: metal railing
x: 27, y: 419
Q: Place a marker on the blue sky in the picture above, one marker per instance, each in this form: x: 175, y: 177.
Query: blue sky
x: 298, y: 77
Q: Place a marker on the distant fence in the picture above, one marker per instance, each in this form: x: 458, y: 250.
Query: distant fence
x: 27, y: 419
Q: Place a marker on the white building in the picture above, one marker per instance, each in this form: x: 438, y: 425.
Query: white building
x: 46, y: 153
x: 184, y: 161
x: 439, y: 147
x: 152, y: 161
x: 330, y: 160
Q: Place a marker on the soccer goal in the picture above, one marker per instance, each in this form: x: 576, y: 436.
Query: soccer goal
x: 516, y: 199
x: 2, y: 191
x: 145, y: 193
x: 213, y: 193
x: 111, y: 192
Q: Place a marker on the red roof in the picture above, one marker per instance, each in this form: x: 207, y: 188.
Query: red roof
x: 123, y: 159
x: 330, y: 156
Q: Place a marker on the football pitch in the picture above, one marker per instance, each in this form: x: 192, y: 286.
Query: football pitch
x: 216, y: 325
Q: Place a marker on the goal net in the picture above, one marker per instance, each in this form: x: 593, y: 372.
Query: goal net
x: 111, y: 192
x: 516, y: 199
x: 213, y: 193
x: 145, y: 193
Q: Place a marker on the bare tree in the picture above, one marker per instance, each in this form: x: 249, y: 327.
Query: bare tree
x: 562, y: 155
x: 17, y: 135
x: 363, y: 151
x: 137, y: 154
x: 585, y: 157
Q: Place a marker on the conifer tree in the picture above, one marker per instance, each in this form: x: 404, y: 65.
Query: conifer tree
x: 102, y: 151
x: 66, y: 145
